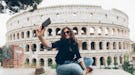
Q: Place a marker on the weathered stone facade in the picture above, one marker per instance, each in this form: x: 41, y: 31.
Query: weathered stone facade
x: 101, y: 34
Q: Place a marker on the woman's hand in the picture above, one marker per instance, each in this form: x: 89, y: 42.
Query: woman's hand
x: 40, y: 31
x: 85, y: 72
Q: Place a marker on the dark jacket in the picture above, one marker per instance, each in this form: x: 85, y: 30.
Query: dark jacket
x: 67, y: 50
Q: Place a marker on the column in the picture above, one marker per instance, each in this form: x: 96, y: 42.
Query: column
x: 98, y: 62
x: 88, y: 31
x: 111, y: 45
x: 45, y: 63
x: 104, y: 45
x: 53, y: 31
x: 97, y: 45
x: 37, y: 63
x: 79, y: 30
x: 88, y: 45
x: 96, y: 31
x: 103, y: 31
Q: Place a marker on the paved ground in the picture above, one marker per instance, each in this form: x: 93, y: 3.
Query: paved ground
x: 30, y: 71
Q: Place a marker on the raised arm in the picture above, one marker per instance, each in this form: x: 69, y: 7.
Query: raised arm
x: 39, y: 33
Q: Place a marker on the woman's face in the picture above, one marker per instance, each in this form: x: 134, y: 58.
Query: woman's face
x: 67, y: 33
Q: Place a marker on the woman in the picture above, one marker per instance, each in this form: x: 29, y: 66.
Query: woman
x: 68, y: 58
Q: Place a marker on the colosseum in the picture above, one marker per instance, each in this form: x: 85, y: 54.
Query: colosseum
x: 102, y: 34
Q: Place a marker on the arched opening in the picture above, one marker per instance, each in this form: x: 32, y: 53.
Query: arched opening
x: 34, y: 33
x: 83, y: 31
x: 28, y: 34
x: 114, y: 45
x: 41, y: 62
x: 99, y: 31
x: 75, y: 30
x: 94, y: 61
x: 113, y: 32
x: 109, y: 60
x: 17, y: 35
x: 102, y: 61
x: 27, y: 48
x: 106, y: 31
x: 22, y: 34
x: 49, y: 32
x: 34, y: 47
x: 14, y: 36
x: 119, y: 45
x: 100, y: 45
x: 34, y: 61
x: 115, y: 61
x: 27, y: 61
x: 92, y: 45
x: 84, y: 46
x: 49, y: 62
x: 58, y: 31
x: 108, y: 45
x: 42, y: 47
x: 92, y: 30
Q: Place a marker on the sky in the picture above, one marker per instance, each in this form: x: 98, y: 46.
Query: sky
x: 127, y: 6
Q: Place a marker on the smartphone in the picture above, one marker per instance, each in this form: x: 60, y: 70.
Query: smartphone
x: 46, y: 23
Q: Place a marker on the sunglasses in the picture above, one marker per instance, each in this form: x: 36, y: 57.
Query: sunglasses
x: 67, y: 32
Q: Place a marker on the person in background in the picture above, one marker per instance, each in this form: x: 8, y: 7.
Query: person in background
x: 68, y: 58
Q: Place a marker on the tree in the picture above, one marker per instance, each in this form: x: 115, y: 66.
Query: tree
x: 0, y: 55
x: 128, y: 67
x: 16, y: 5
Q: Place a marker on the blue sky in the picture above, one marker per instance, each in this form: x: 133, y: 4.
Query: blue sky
x: 127, y: 6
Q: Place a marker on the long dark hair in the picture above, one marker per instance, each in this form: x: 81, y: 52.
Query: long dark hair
x: 72, y: 36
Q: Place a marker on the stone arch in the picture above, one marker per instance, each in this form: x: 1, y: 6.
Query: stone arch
x: 108, y: 45
x: 114, y: 45
x: 27, y: 47
x: 49, y: 32
x: 34, y: 47
x: 34, y: 61
x: 27, y: 61
x: 50, y: 61
x: 119, y: 45
x: 102, y: 61
x: 58, y: 31
x: 41, y: 62
x: 109, y: 60
x: 92, y: 45
x: 100, y: 45
x: 94, y: 61
x: 28, y: 34
x: 41, y: 47
x: 99, y: 31
x: 115, y: 60
x: 106, y: 31
x: 120, y: 57
x: 113, y: 32
x: 14, y: 36
x: 83, y: 31
x: 84, y: 46
x: 22, y: 34
x: 34, y: 33
x: 75, y: 30
x: 17, y: 35
x: 118, y: 31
